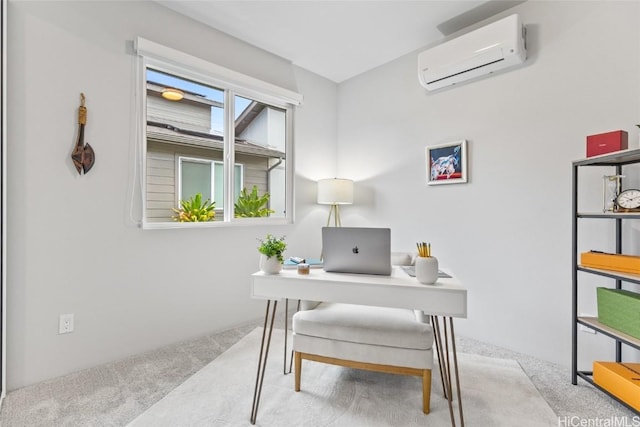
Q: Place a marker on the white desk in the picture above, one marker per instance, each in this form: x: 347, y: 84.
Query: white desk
x: 446, y: 298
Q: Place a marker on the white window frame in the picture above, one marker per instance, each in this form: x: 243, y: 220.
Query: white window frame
x: 168, y: 60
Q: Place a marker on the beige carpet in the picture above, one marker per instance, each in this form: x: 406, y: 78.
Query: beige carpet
x: 495, y: 392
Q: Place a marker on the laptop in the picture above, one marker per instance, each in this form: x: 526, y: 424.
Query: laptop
x: 357, y: 250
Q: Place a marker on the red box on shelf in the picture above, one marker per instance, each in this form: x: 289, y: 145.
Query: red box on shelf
x: 607, y: 142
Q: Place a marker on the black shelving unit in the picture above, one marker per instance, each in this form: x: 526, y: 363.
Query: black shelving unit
x: 616, y: 160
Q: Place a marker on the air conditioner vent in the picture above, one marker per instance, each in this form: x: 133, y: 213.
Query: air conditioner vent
x: 483, y: 51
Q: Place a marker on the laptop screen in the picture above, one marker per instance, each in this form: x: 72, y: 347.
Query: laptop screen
x: 357, y: 250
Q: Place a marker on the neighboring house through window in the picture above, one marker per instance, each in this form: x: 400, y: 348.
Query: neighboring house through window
x: 207, y: 178
x: 216, y: 138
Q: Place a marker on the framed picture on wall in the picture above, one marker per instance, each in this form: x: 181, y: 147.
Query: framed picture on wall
x: 447, y: 163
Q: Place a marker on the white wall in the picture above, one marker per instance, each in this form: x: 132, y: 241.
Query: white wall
x: 72, y: 247
x: 507, y: 233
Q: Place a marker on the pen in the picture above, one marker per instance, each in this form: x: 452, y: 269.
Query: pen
x: 424, y: 249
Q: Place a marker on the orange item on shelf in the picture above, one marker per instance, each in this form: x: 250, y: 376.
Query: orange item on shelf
x: 615, y: 262
x: 620, y: 379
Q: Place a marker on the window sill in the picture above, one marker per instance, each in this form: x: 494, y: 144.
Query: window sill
x: 240, y: 222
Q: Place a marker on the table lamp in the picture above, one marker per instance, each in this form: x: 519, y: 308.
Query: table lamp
x: 335, y: 192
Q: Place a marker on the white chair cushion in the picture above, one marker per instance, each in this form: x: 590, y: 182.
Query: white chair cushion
x: 380, y: 326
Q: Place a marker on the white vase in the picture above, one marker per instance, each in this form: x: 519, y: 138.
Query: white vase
x: 270, y: 265
x: 427, y: 270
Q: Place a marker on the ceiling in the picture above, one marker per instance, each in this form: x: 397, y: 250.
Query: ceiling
x: 339, y: 39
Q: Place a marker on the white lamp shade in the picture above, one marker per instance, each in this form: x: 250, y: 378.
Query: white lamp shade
x: 335, y: 191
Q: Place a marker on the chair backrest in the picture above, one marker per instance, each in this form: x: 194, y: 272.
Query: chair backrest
x: 402, y: 258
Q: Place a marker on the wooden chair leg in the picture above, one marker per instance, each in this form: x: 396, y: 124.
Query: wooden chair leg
x: 298, y: 362
x: 426, y: 391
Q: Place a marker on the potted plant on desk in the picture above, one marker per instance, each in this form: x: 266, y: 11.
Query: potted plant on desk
x: 271, y: 254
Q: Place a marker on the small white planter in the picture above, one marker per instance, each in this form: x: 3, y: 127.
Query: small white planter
x: 270, y: 265
x: 427, y: 270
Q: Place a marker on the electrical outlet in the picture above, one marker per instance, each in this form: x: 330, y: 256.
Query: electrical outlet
x: 587, y: 329
x: 65, y: 324
x: 584, y: 328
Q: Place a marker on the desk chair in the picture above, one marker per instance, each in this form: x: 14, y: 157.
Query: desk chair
x: 381, y: 339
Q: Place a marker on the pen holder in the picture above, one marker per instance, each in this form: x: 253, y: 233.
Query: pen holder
x: 427, y: 270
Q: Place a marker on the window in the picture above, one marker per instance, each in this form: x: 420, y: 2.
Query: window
x: 216, y: 133
x: 207, y: 178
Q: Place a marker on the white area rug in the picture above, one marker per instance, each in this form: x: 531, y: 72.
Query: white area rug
x: 495, y: 392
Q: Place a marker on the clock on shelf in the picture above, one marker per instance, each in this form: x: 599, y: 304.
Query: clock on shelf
x: 628, y: 201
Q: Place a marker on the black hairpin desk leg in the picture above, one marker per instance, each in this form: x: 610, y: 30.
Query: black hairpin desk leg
x: 262, y: 360
x: 443, y: 337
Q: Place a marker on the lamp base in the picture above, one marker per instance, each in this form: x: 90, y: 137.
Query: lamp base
x: 335, y: 211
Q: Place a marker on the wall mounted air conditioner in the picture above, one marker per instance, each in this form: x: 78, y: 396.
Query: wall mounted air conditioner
x: 485, y: 50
